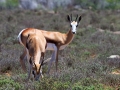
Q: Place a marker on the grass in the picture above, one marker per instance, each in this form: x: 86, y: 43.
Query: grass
x: 83, y: 64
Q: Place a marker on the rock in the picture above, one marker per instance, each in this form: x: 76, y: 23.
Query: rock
x: 113, y: 56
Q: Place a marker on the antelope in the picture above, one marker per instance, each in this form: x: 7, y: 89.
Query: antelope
x: 35, y: 47
x: 55, y: 40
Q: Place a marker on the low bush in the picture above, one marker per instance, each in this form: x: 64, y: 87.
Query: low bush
x: 7, y: 83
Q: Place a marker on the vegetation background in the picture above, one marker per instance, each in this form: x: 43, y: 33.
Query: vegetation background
x: 83, y: 64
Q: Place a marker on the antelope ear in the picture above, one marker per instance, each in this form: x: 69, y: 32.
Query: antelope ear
x: 27, y: 45
x: 28, y: 36
x: 30, y: 61
x: 27, y: 41
x: 79, y: 19
x: 68, y: 18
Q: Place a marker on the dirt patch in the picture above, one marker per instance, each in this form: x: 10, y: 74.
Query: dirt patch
x: 116, y: 71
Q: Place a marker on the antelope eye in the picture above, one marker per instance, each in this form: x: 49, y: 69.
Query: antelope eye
x: 76, y: 25
x: 70, y: 25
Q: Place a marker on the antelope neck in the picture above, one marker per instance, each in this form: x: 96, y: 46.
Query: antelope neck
x: 67, y: 38
x: 70, y: 36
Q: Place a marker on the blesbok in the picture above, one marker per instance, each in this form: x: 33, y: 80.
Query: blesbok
x: 55, y: 40
x: 35, y: 47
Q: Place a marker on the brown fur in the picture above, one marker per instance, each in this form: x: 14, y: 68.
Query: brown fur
x: 57, y: 38
x: 36, y: 48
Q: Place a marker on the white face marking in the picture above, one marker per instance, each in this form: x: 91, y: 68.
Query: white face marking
x: 74, y: 24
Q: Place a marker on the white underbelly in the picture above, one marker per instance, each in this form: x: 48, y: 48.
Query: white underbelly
x: 51, y: 46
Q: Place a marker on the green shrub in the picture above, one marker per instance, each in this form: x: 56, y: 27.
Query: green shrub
x: 9, y: 4
x: 12, y: 3
x: 96, y: 4
x: 51, y: 84
x: 7, y: 83
x: 61, y: 85
x: 113, y: 4
x: 89, y: 84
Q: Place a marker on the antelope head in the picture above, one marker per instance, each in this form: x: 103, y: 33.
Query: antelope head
x: 35, y: 69
x: 75, y: 23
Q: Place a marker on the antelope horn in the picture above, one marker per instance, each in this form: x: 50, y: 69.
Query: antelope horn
x: 76, y: 18
x: 71, y: 17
